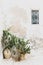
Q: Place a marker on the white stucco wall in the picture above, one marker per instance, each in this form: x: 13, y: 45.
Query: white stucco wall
x: 20, y: 10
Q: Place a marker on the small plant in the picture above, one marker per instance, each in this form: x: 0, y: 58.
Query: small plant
x: 17, y: 46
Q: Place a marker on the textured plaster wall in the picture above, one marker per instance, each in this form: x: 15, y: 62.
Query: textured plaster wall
x: 18, y: 13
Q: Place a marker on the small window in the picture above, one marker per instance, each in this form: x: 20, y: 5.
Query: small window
x: 35, y: 16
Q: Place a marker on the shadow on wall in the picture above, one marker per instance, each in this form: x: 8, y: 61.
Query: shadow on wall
x: 19, y: 13
x: 16, y: 18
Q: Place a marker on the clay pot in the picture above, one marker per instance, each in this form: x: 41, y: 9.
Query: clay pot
x: 7, y: 53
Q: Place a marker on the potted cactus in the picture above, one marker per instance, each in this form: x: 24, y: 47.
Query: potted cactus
x: 14, y: 47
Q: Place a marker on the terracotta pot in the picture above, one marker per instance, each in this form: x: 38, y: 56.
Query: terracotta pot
x: 22, y: 57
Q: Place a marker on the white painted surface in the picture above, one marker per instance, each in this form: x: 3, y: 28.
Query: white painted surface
x: 12, y: 11
x: 20, y: 10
